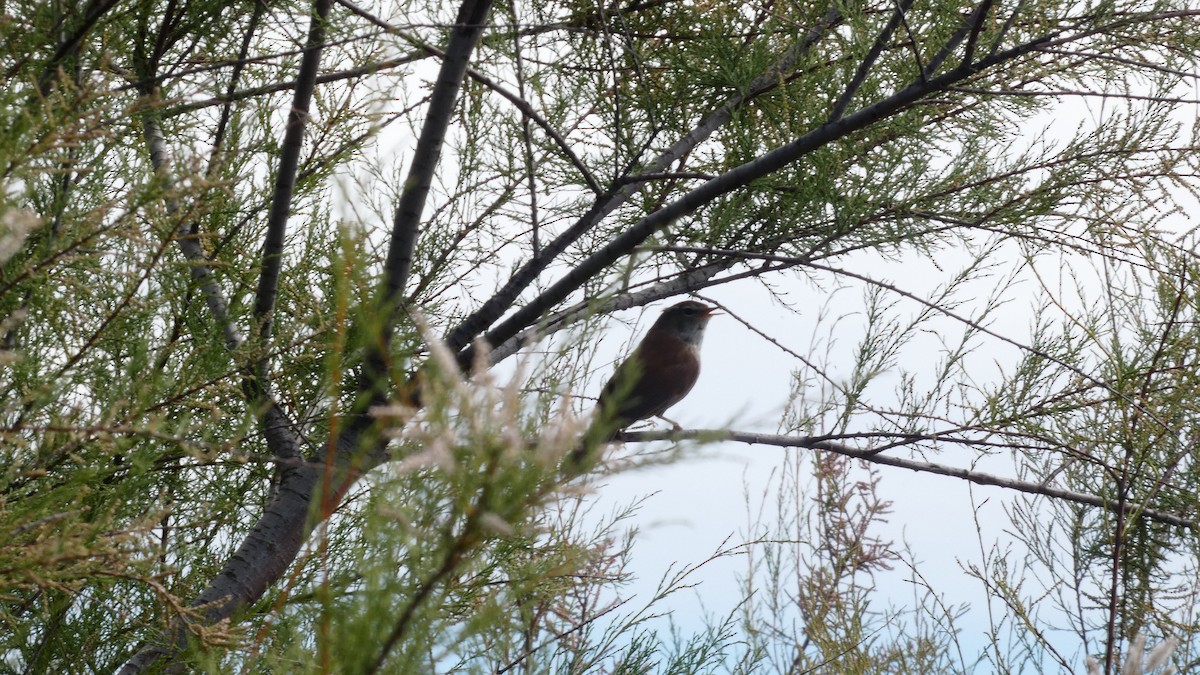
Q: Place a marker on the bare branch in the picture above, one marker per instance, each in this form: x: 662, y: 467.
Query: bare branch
x: 502, y: 300
x: 868, y: 61
x: 977, y: 20
x: 527, y: 142
x: 968, y: 26
x: 727, y: 182
x: 931, y: 305
x: 285, y: 182
x: 374, y: 380
x: 176, y: 108
x: 406, y: 225
x: 872, y: 455
x: 517, y: 100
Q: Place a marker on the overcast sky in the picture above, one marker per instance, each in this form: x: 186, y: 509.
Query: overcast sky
x: 701, y: 502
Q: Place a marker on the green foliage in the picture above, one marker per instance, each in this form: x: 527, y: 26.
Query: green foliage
x: 137, y: 379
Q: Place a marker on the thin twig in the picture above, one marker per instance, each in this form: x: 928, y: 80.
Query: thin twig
x: 872, y: 455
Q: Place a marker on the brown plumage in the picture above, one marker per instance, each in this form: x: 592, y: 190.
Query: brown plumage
x: 658, y: 374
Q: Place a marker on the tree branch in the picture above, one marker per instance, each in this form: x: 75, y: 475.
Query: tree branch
x: 686, y: 282
x: 70, y: 45
x: 460, y: 337
x: 285, y: 183
x: 864, y: 66
x: 518, y: 99
x: 872, y: 455
x: 976, y: 22
x: 262, y: 558
x: 407, y: 222
x: 185, y: 235
x: 727, y: 182
x: 276, y: 538
x: 931, y: 305
x: 325, y: 78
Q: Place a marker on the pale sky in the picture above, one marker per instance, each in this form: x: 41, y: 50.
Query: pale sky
x: 701, y: 501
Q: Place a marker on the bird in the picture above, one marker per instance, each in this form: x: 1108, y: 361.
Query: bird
x: 659, y: 373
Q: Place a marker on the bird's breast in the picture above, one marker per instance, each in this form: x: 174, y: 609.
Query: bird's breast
x: 667, y: 352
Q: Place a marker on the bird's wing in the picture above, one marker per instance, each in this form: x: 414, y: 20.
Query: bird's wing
x: 641, y: 389
x: 659, y: 389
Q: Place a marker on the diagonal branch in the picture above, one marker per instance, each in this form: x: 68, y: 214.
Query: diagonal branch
x: 407, y: 222
x: 872, y: 455
x: 839, y: 271
x: 186, y: 237
x: 969, y: 26
x: 734, y: 179
x: 239, y: 66
x: 262, y: 558
x: 527, y: 139
x: 70, y: 45
x: 178, y: 107
x: 689, y: 281
x: 491, y: 310
x: 285, y: 184
x: 864, y: 66
x: 276, y: 538
x: 976, y: 22
x: 516, y: 99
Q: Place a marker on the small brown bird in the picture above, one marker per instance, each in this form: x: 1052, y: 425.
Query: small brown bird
x: 658, y: 374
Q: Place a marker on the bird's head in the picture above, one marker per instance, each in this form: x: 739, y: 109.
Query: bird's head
x: 686, y: 320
